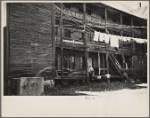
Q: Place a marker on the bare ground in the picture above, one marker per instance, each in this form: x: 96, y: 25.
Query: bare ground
x: 95, y: 86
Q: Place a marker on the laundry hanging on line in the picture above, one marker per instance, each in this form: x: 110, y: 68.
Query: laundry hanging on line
x: 124, y: 38
x: 107, y: 38
x: 96, y: 36
x: 114, y: 41
x: 104, y: 37
x: 101, y: 37
x: 138, y: 40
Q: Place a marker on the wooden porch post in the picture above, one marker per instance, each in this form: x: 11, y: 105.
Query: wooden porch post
x: 85, y: 41
x: 53, y: 38
x: 121, y: 33
x: 61, y: 38
x: 107, y: 62
x: 99, y: 62
x: 105, y: 20
x: 132, y: 26
x: 103, y: 60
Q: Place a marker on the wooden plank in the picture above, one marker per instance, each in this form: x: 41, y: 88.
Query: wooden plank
x: 112, y: 59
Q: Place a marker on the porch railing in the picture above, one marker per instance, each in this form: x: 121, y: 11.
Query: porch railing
x: 68, y: 40
x: 96, y: 20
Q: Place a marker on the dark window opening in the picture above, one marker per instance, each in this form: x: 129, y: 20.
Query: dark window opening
x: 89, y: 12
x: 67, y: 33
x: 65, y: 61
x: 72, y: 62
x: 81, y: 62
x: 67, y: 6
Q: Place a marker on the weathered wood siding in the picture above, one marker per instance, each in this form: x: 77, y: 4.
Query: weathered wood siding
x: 30, y: 31
x: 68, y: 53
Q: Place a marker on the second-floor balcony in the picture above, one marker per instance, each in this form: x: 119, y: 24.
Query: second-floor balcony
x: 97, y: 21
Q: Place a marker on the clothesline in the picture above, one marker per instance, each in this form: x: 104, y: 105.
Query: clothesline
x: 114, y: 39
x: 106, y: 37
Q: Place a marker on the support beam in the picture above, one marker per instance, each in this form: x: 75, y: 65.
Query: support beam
x: 103, y: 58
x: 121, y: 33
x: 85, y: 40
x: 53, y: 38
x: 61, y: 38
x: 132, y: 26
x: 107, y: 62
x: 105, y: 20
x: 121, y: 23
x: 99, y: 62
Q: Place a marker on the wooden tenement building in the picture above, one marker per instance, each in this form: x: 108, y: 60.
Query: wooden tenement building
x: 56, y: 40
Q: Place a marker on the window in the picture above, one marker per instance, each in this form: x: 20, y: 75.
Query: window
x: 68, y: 6
x: 81, y: 10
x: 72, y: 62
x: 56, y: 31
x: 81, y: 62
x: 89, y: 12
x: 67, y: 33
x: 65, y: 60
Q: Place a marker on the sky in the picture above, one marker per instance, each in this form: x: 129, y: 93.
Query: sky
x: 130, y: 4
x: 134, y: 4
x: 129, y: 7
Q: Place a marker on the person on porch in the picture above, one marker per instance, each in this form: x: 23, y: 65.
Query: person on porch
x: 91, y: 73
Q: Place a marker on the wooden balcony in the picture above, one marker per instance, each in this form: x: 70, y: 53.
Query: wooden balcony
x: 70, y: 43
x: 96, y: 21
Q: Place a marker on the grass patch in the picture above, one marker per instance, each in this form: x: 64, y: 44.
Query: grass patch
x: 97, y: 87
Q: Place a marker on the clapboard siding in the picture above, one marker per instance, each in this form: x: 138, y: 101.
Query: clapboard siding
x: 30, y: 37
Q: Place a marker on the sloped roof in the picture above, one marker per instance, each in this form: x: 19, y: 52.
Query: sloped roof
x: 140, y: 12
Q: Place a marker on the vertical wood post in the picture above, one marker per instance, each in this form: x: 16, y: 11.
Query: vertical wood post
x: 121, y: 33
x: 105, y: 20
x: 61, y: 38
x: 121, y: 23
x: 85, y: 40
x: 103, y: 64
x: 99, y: 62
x: 107, y: 62
x: 132, y: 26
x: 7, y: 53
x: 53, y: 38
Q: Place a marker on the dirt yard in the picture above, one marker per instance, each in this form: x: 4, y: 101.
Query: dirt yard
x: 95, y: 86
x: 102, y: 100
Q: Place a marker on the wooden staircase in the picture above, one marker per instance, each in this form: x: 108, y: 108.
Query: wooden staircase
x: 115, y: 65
